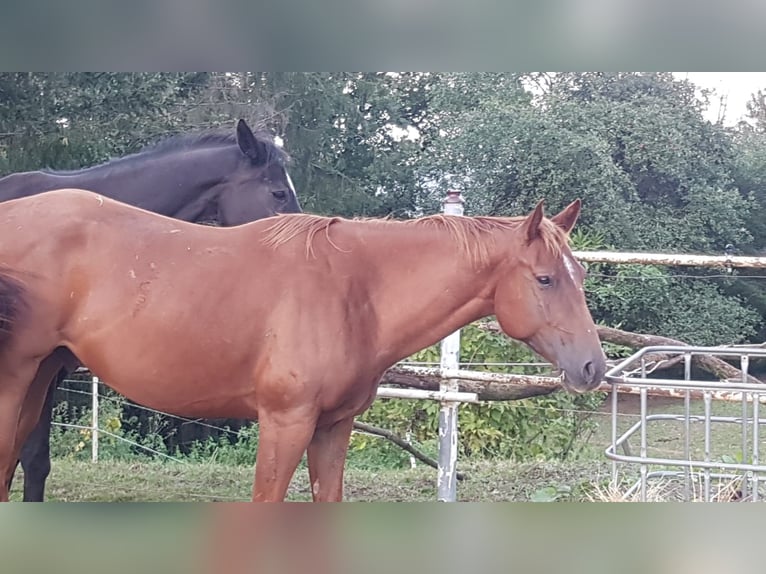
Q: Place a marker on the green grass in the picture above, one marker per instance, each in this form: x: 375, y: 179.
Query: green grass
x: 115, y: 481
x: 665, y: 439
x: 128, y: 481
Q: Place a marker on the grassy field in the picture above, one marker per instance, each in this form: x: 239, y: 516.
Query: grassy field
x: 115, y: 481
x: 580, y: 480
x: 665, y: 439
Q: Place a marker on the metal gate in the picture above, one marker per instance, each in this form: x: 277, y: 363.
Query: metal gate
x: 703, y: 441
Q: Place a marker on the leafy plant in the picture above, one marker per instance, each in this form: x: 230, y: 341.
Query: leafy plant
x: 535, y: 428
x: 551, y: 493
x: 115, y: 437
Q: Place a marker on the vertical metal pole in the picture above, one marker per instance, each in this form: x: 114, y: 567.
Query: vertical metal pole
x: 643, y: 469
x: 687, y: 427
x: 446, y: 482
x: 94, y: 424
x: 756, y: 453
x: 744, y: 367
x: 643, y: 451
x: 707, y: 397
x: 614, y: 436
x: 408, y: 440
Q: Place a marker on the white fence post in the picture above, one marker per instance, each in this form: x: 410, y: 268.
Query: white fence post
x: 94, y: 424
x: 446, y: 481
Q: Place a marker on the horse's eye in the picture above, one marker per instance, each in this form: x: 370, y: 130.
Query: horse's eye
x: 544, y: 280
x: 281, y: 194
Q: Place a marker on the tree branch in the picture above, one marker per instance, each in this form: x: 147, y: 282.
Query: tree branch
x: 487, y: 391
x: 712, y: 365
x: 401, y: 443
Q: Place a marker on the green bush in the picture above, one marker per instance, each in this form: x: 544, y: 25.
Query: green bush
x: 76, y: 442
x: 536, y: 428
x: 239, y: 449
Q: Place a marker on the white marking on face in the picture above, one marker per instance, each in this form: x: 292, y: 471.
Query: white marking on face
x: 570, y: 265
x: 290, y: 182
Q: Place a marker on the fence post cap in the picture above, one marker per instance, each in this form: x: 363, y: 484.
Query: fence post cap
x: 453, y: 196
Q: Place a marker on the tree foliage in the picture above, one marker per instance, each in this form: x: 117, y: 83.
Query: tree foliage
x: 70, y: 120
x: 652, y: 172
x: 545, y: 427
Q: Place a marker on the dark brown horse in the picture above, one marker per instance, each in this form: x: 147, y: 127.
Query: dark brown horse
x: 225, y: 177
x: 290, y: 320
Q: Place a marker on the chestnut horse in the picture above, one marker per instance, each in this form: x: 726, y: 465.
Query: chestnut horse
x: 224, y: 177
x: 290, y: 320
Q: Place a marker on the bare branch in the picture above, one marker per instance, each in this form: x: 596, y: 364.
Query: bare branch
x: 712, y: 365
x: 401, y: 443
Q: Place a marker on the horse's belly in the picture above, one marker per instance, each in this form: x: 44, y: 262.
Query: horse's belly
x: 190, y: 398
x: 192, y: 382
x: 189, y: 405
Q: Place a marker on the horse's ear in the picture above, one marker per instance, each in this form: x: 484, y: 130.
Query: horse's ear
x: 568, y: 217
x: 532, y: 223
x: 251, y: 146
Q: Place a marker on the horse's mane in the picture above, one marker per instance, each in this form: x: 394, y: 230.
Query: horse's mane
x: 470, y: 233
x: 216, y: 137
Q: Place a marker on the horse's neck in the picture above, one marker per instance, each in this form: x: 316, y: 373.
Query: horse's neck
x: 431, y: 289
x: 164, y: 184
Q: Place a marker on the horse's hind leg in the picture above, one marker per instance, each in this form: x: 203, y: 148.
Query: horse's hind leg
x: 33, y: 431
x: 327, y: 458
x: 35, y: 452
x: 14, y: 385
x: 35, y: 455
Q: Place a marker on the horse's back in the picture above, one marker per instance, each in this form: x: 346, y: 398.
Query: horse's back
x: 23, y: 184
x: 50, y: 200
x: 69, y: 207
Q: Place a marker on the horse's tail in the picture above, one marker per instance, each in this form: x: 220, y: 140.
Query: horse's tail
x: 13, y: 300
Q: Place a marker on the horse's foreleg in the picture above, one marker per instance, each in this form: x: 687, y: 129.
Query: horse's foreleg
x: 282, y: 440
x: 327, y: 458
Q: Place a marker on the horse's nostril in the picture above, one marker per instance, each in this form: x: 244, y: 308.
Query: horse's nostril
x: 589, y: 371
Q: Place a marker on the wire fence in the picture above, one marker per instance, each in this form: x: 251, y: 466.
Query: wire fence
x: 97, y: 429
x: 97, y: 425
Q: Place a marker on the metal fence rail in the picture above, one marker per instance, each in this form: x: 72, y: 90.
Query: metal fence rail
x: 700, y: 469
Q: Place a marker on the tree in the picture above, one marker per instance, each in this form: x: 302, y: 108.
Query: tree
x: 341, y: 129
x: 69, y: 120
x: 653, y: 174
x: 675, y: 167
